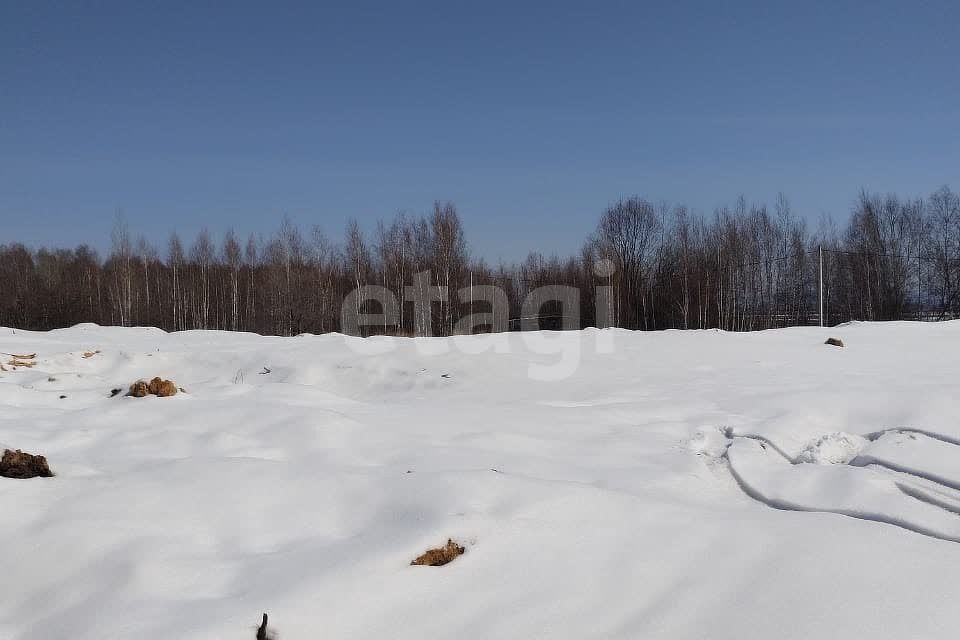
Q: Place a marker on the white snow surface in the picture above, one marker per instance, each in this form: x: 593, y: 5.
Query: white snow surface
x: 833, y: 448
x: 605, y: 484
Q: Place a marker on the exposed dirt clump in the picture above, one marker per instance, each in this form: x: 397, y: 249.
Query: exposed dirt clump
x: 163, y: 388
x: 19, y: 361
x: 156, y: 387
x: 17, y: 464
x: 139, y: 389
x: 439, y: 557
x: 834, y: 342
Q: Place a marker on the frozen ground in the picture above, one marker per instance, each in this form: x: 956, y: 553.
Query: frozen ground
x: 686, y: 485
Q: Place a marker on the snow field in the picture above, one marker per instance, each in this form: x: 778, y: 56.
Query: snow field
x: 628, y: 497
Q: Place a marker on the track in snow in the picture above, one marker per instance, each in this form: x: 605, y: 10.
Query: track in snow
x: 908, y: 478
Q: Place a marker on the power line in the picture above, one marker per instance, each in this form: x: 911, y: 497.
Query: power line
x: 890, y: 255
x: 874, y: 254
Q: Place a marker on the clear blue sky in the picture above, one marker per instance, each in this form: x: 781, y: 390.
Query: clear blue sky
x: 531, y: 117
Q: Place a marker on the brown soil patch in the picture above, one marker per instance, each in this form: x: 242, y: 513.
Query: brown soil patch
x: 439, y: 557
x: 17, y: 464
x: 156, y: 387
x: 163, y: 388
x: 139, y: 389
x: 22, y: 356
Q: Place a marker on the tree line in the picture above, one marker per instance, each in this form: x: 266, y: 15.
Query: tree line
x: 740, y: 268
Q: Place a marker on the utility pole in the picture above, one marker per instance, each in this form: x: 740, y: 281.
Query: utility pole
x: 919, y: 281
x: 719, y: 290
x: 820, y: 251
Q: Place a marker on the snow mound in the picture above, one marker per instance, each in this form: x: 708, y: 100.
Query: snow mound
x: 833, y: 448
x: 710, y: 441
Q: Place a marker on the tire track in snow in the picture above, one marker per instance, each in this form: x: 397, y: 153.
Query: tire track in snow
x: 870, y: 461
x: 867, y: 458
x: 918, y: 484
x: 864, y: 461
x: 876, y: 435
x: 765, y: 442
x: 923, y: 496
x: 786, y: 505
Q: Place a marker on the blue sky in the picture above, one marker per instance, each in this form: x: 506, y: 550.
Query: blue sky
x: 530, y: 116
